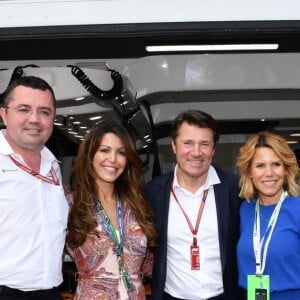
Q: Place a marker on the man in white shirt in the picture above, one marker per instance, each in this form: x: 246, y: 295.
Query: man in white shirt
x: 196, y: 208
x: 33, y: 207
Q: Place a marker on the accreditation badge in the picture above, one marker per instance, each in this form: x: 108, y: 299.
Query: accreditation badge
x: 258, y: 287
x: 195, y: 257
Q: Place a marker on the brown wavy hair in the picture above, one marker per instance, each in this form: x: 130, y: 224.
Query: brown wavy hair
x: 279, y: 145
x: 128, y: 185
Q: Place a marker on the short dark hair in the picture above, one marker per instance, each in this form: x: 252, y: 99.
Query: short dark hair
x: 28, y: 81
x: 198, y: 118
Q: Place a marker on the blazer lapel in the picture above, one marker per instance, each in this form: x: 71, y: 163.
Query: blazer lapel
x: 164, y: 201
x: 222, y: 205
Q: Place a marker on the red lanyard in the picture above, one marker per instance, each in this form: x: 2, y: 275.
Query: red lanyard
x: 54, y: 179
x: 194, y: 231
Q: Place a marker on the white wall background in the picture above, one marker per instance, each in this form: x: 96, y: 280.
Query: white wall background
x: 18, y: 13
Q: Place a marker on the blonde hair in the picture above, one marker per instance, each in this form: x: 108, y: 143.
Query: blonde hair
x: 279, y: 145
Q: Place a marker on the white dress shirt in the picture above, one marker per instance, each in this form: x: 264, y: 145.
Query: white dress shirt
x: 181, y: 281
x: 33, y: 222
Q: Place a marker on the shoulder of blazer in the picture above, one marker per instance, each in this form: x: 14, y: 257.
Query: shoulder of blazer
x: 229, y: 186
x: 157, y: 191
x: 161, y: 181
x: 226, y: 176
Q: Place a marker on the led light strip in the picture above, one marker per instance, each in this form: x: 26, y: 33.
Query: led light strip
x: 229, y: 47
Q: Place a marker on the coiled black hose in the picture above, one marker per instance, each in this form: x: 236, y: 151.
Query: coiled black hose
x: 17, y: 73
x: 102, y: 96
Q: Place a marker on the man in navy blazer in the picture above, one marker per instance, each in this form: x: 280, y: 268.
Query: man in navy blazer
x: 197, y: 212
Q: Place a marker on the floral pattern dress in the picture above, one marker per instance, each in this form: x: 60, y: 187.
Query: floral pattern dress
x: 98, y: 269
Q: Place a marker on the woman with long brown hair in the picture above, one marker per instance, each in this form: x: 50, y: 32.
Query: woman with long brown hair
x: 111, y: 227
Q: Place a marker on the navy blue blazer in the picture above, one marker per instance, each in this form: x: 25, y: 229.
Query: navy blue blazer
x: 157, y: 193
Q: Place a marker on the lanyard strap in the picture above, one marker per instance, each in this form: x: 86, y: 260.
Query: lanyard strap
x: 193, y: 230
x: 107, y: 225
x: 54, y: 179
x: 260, y: 243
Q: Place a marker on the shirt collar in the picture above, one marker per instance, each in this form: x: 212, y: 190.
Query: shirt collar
x: 6, y: 149
x: 212, y: 179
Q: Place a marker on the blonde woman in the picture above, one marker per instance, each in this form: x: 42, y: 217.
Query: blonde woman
x: 269, y: 246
